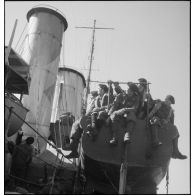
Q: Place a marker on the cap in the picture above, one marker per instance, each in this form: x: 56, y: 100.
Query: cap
x: 94, y: 93
x: 171, y: 98
x: 104, y: 87
x: 142, y: 81
x: 29, y: 140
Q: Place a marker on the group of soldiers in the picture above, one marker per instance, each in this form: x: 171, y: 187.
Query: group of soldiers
x: 109, y: 108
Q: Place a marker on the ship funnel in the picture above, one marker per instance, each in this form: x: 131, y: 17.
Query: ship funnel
x: 41, y: 51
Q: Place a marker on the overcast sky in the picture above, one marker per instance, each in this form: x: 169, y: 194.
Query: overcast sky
x: 150, y: 39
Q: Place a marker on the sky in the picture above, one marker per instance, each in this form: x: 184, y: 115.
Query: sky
x: 151, y: 39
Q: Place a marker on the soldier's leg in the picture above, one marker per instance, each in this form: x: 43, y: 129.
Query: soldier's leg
x: 91, y: 128
x: 129, y: 129
x: 176, y: 153
x: 114, y: 132
x: 101, y: 119
x: 115, y: 117
x: 131, y: 122
x: 154, y: 136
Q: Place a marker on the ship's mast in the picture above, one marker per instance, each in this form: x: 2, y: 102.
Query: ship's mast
x: 91, y: 59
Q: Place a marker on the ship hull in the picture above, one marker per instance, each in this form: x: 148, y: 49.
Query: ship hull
x: 104, y: 177
x: 146, y: 166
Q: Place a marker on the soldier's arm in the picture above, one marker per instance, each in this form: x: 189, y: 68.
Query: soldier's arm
x: 115, y: 104
x: 155, y: 109
x: 104, y: 101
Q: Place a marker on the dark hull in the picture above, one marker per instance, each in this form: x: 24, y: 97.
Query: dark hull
x: 104, y: 178
x: 146, y: 166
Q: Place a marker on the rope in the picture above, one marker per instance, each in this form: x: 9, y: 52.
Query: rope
x: 167, y: 182
x: 54, y: 174
x: 38, y: 134
x: 21, y: 36
x: 147, y: 112
x: 110, y: 181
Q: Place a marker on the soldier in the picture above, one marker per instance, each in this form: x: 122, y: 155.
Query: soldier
x: 66, y: 121
x: 144, y: 98
x: 162, y: 114
x: 101, y: 104
x: 142, y: 88
x: 76, y: 133
x: 91, y: 104
x: 77, y: 130
x: 21, y: 158
x: 128, y: 110
x: 117, y: 103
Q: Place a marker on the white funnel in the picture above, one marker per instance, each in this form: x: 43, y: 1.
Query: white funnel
x: 42, y: 51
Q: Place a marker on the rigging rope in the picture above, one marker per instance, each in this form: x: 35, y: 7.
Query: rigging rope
x: 167, y: 181
x: 21, y: 36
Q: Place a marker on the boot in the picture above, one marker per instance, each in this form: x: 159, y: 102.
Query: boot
x: 127, y: 136
x: 154, y: 135
x: 176, y: 153
x: 108, y: 122
x: 91, y: 128
x: 114, y: 140
x: 93, y: 125
x: 127, y: 139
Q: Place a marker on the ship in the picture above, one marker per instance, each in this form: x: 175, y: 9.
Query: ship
x: 54, y: 93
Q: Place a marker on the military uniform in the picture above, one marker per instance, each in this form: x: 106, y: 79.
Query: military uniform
x: 98, y: 112
x: 21, y: 158
x: 161, y: 115
x: 128, y: 110
x: 91, y: 105
x: 76, y: 133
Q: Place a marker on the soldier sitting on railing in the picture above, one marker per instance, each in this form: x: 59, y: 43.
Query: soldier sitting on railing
x: 130, y: 105
x: 118, y: 101
x: 100, y: 105
x: 91, y: 104
x: 77, y: 130
x: 160, y: 116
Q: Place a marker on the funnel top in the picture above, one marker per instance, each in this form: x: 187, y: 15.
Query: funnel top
x: 61, y: 69
x: 47, y: 10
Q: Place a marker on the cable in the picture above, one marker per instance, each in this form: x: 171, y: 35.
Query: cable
x: 21, y: 35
